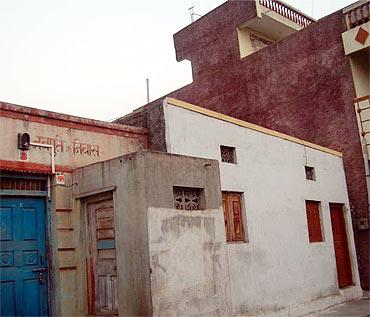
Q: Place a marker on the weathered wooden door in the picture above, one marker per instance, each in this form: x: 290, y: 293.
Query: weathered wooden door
x: 23, y: 267
x: 102, y: 264
x: 342, y: 257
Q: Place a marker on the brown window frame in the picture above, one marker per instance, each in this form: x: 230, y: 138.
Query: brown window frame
x: 230, y: 202
x: 314, y: 221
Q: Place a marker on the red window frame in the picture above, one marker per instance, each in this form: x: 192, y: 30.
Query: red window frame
x: 314, y: 221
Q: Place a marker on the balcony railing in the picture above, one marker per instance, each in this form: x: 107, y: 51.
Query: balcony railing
x: 358, y: 16
x: 363, y: 109
x: 287, y: 12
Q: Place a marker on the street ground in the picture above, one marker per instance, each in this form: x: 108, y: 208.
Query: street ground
x: 355, y: 308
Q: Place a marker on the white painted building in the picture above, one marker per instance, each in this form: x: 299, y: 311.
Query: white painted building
x: 282, y: 260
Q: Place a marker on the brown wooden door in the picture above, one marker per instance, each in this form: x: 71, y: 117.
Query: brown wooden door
x: 342, y: 257
x: 102, y: 264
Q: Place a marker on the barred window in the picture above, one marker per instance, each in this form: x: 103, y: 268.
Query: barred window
x: 188, y: 198
x: 227, y: 154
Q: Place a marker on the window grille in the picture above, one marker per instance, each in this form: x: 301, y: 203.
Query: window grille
x: 227, y: 154
x: 187, y: 198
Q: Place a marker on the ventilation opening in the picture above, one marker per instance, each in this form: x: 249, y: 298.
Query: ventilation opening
x: 188, y: 198
x: 310, y: 173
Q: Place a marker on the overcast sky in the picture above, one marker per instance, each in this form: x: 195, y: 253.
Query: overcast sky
x: 91, y: 57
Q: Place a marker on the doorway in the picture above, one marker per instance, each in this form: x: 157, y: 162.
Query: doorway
x: 23, y: 263
x: 342, y: 256
x: 101, y: 260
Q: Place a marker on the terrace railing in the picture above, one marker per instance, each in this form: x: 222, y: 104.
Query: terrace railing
x: 363, y: 109
x: 287, y: 12
x: 358, y: 16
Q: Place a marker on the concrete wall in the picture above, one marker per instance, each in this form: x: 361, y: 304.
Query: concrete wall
x: 188, y: 258
x: 277, y: 269
x: 143, y: 198
x: 125, y: 175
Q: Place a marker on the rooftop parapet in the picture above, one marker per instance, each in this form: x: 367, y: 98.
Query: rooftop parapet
x: 287, y: 12
x: 357, y: 14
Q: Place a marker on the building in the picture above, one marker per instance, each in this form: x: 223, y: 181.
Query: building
x: 266, y: 63
x: 93, y: 223
x: 32, y: 195
x: 272, y: 185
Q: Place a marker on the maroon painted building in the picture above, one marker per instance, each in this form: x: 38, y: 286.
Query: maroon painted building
x: 295, y: 79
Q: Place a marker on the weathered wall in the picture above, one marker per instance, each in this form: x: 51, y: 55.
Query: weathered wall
x: 277, y: 269
x: 77, y: 142
x: 126, y: 175
x: 188, y: 258
x: 142, y: 180
x: 301, y: 86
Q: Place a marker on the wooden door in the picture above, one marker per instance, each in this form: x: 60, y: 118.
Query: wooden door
x: 102, y: 264
x: 23, y: 265
x: 342, y: 257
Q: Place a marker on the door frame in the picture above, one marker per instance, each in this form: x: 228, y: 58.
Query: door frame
x: 81, y: 203
x: 345, y: 211
x: 50, y: 229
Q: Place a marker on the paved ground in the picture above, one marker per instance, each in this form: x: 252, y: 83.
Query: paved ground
x: 355, y: 308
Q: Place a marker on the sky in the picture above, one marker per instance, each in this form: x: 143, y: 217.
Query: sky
x: 91, y: 58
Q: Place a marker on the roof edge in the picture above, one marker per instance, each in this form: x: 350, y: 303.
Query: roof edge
x: 248, y: 125
x: 4, y: 106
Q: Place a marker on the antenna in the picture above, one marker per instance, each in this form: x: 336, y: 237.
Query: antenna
x: 147, y: 91
x: 191, y: 11
x: 193, y: 14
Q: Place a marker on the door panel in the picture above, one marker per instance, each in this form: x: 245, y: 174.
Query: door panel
x: 342, y: 257
x: 22, y: 250
x: 102, y: 273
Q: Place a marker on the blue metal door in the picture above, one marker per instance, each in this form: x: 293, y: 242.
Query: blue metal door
x: 23, y: 267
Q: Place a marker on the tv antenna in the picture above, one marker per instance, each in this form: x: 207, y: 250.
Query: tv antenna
x: 193, y: 14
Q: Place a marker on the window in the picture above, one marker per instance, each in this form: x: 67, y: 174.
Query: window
x: 313, y: 221
x: 227, y: 154
x: 188, y: 198
x: 310, y: 173
x: 232, y: 205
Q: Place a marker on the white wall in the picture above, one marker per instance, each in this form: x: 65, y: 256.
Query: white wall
x: 277, y: 269
x: 188, y: 258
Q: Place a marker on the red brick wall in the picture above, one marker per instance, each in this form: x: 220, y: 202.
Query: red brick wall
x: 301, y: 86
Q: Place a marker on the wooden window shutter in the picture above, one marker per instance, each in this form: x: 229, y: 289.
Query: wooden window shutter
x: 225, y: 205
x: 231, y: 203
x: 313, y: 221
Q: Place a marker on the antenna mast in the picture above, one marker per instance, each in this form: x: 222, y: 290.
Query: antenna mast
x: 193, y: 14
x: 147, y: 91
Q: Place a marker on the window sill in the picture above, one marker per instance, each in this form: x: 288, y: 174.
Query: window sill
x: 236, y: 242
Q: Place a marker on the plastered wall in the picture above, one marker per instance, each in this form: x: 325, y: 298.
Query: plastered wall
x: 277, y: 270
x: 151, y: 234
